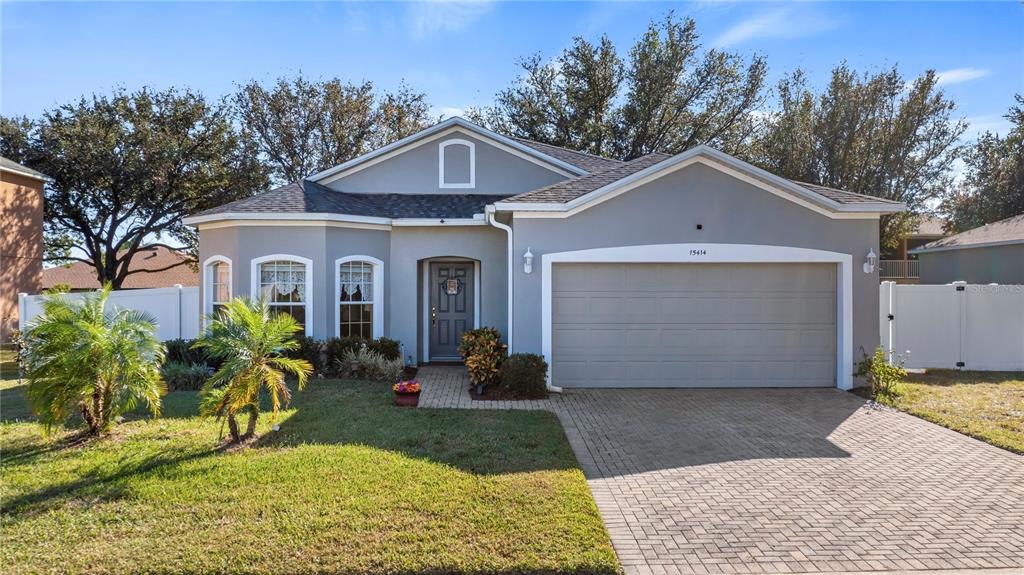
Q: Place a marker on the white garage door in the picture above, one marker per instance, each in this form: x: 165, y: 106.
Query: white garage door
x: 694, y: 325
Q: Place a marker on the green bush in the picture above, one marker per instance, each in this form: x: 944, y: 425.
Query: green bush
x: 181, y: 351
x: 389, y: 348
x: 525, y: 375
x: 370, y: 365
x: 482, y: 351
x: 335, y: 348
x: 883, y: 376
x: 184, y: 376
x: 309, y: 349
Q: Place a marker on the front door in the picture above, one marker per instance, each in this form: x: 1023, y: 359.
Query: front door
x: 451, y: 307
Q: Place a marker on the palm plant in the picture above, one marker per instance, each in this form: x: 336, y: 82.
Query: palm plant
x: 252, y: 341
x: 81, y: 356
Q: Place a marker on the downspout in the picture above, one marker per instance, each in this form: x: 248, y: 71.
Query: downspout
x: 492, y: 220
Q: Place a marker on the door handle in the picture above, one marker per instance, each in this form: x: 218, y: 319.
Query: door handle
x: 433, y: 315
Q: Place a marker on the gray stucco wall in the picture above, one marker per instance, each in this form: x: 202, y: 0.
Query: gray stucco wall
x: 993, y: 264
x: 401, y: 250
x: 668, y: 210
x: 416, y: 171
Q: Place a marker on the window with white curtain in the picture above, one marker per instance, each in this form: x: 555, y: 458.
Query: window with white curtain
x: 355, y: 299
x: 219, y: 289
x: 283, y: 285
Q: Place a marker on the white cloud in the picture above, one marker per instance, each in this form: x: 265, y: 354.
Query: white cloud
x: 994, y: 123
x: 788, y: 22
x: 438, y: 16
x: 447, y: 112
x: 960, y: 75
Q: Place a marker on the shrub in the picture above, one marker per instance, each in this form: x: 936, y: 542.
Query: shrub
x: 482, y: 351
x: 184, y: 376
x: 335, y: 348
x: 309, y: 349
x: 389, y: 348
x: 883, y: 376
x: 525, y: 375
x: 371, y: 365
x: 182, y: 351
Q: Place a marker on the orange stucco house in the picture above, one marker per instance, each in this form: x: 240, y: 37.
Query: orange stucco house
x: 21, y: 239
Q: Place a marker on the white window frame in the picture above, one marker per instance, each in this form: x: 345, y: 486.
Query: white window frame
x: 208, y: 281
x: 441, y: 183
x: 378, y: 292
x: 715, y: 253
x: 254, y: 281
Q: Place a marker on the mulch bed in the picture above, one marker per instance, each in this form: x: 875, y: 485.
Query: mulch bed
x: 491, y: 393
x: 409, y: 372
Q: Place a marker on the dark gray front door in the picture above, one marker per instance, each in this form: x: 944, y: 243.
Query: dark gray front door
x: 451, y: 307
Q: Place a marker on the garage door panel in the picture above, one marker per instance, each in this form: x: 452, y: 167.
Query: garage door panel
x: 693, y: 325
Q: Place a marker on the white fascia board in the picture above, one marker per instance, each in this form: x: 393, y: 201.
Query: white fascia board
x: 453, y: 122
x: 437, y: 222
x: 25, y: 174
x: 284, y: 218
x: 927, y: 250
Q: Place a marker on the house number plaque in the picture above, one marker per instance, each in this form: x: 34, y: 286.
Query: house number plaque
x: 452, y: 286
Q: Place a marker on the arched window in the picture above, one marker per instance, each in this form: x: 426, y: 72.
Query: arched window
x: 359, y: 295
x: 456, y: 164
x: 286, y: 282
x: 217, y: 283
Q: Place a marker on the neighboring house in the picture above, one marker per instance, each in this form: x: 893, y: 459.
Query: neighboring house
x: 993, y: 253
x: 693, y: 270
x: 164, y: 268
x: 901, y: 264
x: 21, y: 239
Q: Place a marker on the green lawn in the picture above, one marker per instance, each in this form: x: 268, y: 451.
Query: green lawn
x: 985, y: 405
x: 349, y: 484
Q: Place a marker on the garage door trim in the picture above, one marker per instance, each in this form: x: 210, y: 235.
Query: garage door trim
x: 714, y: 253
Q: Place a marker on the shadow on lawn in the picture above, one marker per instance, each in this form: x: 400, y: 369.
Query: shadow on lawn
x: 948, y: 377
x: 475, y: 441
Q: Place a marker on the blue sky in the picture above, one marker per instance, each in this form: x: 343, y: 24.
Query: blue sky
x: 461, y: 54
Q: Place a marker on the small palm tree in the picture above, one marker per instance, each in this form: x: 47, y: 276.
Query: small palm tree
x: 81, y: 356
x: 251, y: 340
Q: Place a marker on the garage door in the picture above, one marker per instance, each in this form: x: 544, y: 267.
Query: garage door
x: 694, y: 325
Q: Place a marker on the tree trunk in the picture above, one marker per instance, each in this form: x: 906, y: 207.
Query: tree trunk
x: 90, y: 421
x: 250, y: 430
x: 233, y: 429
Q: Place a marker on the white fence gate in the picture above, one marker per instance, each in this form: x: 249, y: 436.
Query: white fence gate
x: 956, y: 326
x: 176, y: 309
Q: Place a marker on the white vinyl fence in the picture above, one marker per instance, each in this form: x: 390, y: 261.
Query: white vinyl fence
x: 958, y: 325
x: 176, y: 309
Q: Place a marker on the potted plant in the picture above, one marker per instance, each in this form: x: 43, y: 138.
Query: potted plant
x: 407, y: 393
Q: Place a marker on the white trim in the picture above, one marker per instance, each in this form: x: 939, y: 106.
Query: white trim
x: 510, y: 273
x: 926, y: 249
x: 715, y: 253
x: 207, y: 299
x: 378, y: 292
x: 426, y: 296
x: 441, y: 182
x: 441, y: 129
x: 227, y: 219
x: 254, y: 281
x: 29, y: 175
x: 713, y: 158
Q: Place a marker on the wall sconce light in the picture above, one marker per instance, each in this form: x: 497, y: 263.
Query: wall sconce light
x: 528, y: 261
x: 869, y: 263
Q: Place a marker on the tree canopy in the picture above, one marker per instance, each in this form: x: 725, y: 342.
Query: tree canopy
x: 993, y: 184
x: 125, y: 169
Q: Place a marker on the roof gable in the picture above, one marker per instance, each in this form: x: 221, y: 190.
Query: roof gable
x: 575, y: 195
x: 531, y: 153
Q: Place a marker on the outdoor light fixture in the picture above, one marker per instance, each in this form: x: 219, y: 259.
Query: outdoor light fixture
x: 869, y: 264
x: 528, y: 261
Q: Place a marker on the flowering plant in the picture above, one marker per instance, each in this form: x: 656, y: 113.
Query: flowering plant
x: 411, y: 386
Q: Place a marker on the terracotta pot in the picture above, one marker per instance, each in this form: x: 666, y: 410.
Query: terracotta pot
x: 407, y: 399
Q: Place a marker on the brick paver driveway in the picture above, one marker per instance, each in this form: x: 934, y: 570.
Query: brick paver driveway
x: 778, y: 481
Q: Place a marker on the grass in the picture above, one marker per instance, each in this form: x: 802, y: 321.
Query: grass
x: 985, y: 405
x: 349, y: 484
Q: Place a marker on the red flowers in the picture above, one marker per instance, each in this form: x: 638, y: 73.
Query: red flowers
x: 411, y: 386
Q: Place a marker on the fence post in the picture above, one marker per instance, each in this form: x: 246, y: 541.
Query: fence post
x: 21, y: 311
x: 178, y: 287
x: 887, y: 315
x: 961, y: 302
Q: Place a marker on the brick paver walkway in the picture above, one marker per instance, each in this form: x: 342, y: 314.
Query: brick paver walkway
x: 780, y: 481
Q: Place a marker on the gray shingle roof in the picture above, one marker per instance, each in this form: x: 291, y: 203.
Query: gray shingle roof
x: 13, y: 166
x: 588, y: 162
x: 1004, y: 231
x: 569, y: 190
x: 308, y: 197
x: 842, y: 196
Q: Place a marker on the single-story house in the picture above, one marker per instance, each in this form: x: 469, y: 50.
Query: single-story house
x: 993, y: 253
x: 21, y: 239
x: 693, y: 270
x: 151, y: 267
